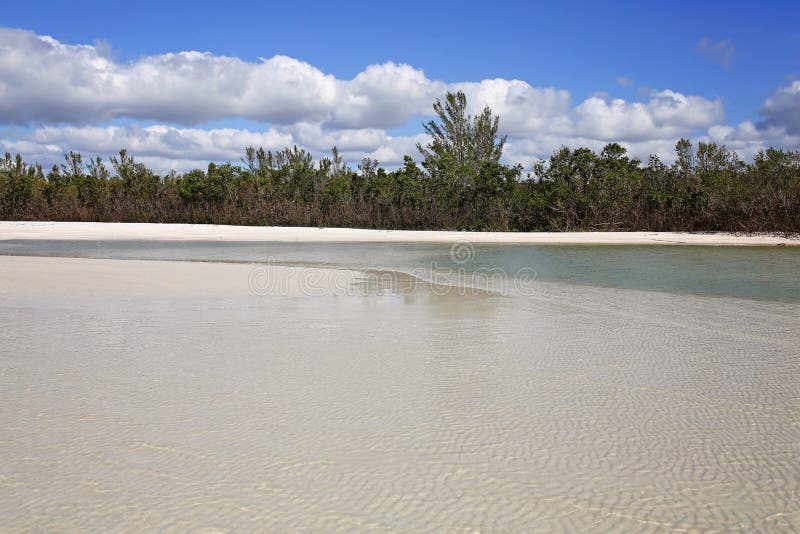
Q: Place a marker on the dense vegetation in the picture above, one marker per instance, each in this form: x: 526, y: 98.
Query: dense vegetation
x: 460, y: 184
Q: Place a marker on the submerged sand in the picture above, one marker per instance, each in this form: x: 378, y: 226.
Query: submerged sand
x: 83, y: 230
x: 149, y: 395
x: 136, y: 279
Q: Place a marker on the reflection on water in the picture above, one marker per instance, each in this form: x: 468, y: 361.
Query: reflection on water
x: 750, y: 272
x: 577, y: 408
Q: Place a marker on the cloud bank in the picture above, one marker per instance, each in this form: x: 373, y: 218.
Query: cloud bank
x: 56, y: 97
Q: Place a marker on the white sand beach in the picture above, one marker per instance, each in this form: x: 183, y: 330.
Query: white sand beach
x: 83, y: 230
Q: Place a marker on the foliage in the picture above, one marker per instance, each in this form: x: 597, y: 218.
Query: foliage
x: 461, y: 184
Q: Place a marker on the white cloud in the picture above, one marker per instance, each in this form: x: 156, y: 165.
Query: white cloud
x: 748, y: 138
x: 159, y: 143
x: 168, y: 147
x: 666, y: 115
x: 523, y: 109
x: 383, y: 96
x: 782, y: 108
x: 44, y: 80
x: 69, y: 97
x: 158, y: 140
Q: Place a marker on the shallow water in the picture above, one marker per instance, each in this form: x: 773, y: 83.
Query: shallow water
x: 572, y: 407
x: 750, y: 272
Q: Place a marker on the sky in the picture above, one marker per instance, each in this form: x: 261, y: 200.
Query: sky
x: 180, y: 84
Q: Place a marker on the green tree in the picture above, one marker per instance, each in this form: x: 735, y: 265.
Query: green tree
x: 460, y: 144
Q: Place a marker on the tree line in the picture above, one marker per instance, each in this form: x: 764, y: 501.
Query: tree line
x: 459, y: 184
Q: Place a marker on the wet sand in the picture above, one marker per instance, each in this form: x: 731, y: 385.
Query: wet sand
x: 118, y: 231
x: 150, y: 395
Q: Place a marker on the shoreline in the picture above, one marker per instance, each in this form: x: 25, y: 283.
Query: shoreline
x: 41, y: 230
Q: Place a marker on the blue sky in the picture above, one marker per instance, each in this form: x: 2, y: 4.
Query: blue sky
x: 735, y: 54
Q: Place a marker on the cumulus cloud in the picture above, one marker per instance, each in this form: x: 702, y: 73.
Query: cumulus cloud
x: 158, y: 140
x: 666, y: 115
x: 44, y: 80
x: 624, y: 80
x: 749, y: 138
x: 384, y: 95
x: 524, y: 110
x: 57, y: 97
x: 720, y: 52
x: 782, y: 108
x: 171, y: 148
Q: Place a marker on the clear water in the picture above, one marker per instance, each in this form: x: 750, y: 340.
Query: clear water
x: 588, y: 405
x: 771, y: 273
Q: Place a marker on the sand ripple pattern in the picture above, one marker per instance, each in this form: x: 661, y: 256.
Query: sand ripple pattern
x: 575, y: 409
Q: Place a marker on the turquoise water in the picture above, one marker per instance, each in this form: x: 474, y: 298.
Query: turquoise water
x: 769, y: 273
